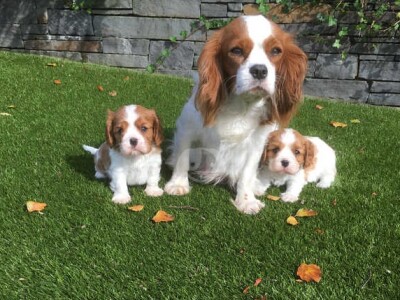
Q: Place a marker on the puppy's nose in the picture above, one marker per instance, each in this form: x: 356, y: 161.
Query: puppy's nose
x: 259, y: 71
x: 285, y: 163
x: 133, y: 142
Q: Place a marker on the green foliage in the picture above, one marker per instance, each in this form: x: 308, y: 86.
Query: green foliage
x: 85, y: 5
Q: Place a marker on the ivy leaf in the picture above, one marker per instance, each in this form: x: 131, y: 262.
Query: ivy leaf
x: 173, y: 39
x: 337, y: 44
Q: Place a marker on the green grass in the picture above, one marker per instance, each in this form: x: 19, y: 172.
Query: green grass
x: 85, y: 247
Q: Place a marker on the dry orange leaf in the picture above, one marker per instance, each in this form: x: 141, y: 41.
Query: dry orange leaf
x: 113, y: 93
x: 51, y: 64
x: 162, y: 216
x: 246, y: 290
x: 100, y: 88
x: 273, y: 198
x: 5, y: 114
x: 309, y: 272
x: 126, y: 78
x: 257, y: 282
x: 338, y: 124
x: 292, y: 221
x: 136, y: 207
x: 32, y: 206
x: 355, y: 121
x: 304, y: 212
x: 57, y: 81
x: 319, y: 107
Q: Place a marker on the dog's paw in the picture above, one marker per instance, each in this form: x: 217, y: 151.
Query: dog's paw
x: 248, y: 206
x: 173, y: 188
x: 153, y: 191
x: 287, y: 197
x: 121, y: 198
x: 324, y: 184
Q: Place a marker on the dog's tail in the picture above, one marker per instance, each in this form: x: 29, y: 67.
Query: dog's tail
x: 90, y: 149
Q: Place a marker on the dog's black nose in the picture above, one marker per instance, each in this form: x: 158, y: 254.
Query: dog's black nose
x: 133, y: 142
x: 259, y: 71
x: 285, y: 163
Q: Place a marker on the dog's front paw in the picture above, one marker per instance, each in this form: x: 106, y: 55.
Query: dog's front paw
x: 287, y: 197
x: 248, y: 206
x: 324, y: 184
x: 153, y: 191
x: 121, y: 198
x: 177, y: 188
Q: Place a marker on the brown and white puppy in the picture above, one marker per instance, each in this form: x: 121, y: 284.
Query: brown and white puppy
x: 131, y: 154
x: 293, y: 159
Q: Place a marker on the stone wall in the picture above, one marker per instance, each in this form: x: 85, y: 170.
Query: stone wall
x: 132, y: 34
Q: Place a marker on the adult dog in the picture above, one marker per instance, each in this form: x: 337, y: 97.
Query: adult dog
x: 250, y: 81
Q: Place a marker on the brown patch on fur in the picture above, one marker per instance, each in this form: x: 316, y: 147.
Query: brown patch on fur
x: 116, y: 127
x: 149, y: 125
x: 291, y: 68
x: 218, y: 66
x: 104, y: 161
x: 273, y: 146
x: 307, y: 150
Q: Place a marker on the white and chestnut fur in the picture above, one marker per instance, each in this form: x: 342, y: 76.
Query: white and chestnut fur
x: 294, y: 160
x: 250, y: 81
x: 131, y: 154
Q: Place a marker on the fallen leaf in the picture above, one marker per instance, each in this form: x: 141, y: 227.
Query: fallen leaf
x: 5, y: 114
x: 57, y: 81
x: 100, y: 88
x: 309, y: 272
x: 273, y: 198
x: 338, y: 124
x: 136, y: 207
x: 319, y: 231
x: 52, y: 64
x: 355, y: 121
x: 32, y: 206
x: 162, y: 216
x: 257, y: 282
x: 126, y: 78
x: 319, y: 107
x: 334, y: 202
x: 374, y: 194
x: 292, y: 221
x: 11, y: 106
x: 113, y: 93
x: 304, y: 212
x: 246, y: 290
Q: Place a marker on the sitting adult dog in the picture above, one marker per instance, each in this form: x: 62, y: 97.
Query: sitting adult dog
x: 250, y: 81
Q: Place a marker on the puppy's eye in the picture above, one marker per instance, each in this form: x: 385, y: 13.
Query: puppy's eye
x: 296, y: 152
x: 276, y: 51
x: 143, y: 128
x: 118, y: 130
x: 275, y: 150
x: 237, y: 51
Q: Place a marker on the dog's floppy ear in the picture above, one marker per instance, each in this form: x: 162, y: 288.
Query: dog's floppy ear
x: 110, y: 139
x: 157, y: 130
x: 290, y: 75
x: 210, y: 91
x: 309, y: 159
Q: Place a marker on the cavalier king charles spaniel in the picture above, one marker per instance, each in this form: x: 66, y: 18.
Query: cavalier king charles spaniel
x: 250, y: 81
x: 293, y: 160
x: 131, y: 154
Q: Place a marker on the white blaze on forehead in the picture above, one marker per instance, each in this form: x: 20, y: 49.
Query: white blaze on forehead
x: 131, y: 114
x: 288, y: 137
x: 258, y: 28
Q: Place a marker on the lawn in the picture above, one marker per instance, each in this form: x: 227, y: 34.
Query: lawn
x: 85, y: 247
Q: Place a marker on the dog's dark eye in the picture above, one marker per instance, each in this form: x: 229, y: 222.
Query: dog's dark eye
x: 275, y: 150
x: 237, y: 51
x: 276, y: 51
x: 143, y: 128
x: 118, y: 130
x: 296, y: 152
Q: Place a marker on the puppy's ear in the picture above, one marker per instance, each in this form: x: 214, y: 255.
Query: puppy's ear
x: 110, y: 139
x: 211, y: 91
x: 309, y: 159
x: 157, y: 130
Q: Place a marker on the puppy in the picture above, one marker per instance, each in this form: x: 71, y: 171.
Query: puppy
x: 292, y: 159
x: 131, y: 154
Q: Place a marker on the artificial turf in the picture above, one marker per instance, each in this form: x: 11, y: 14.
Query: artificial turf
x: 85, y: 247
